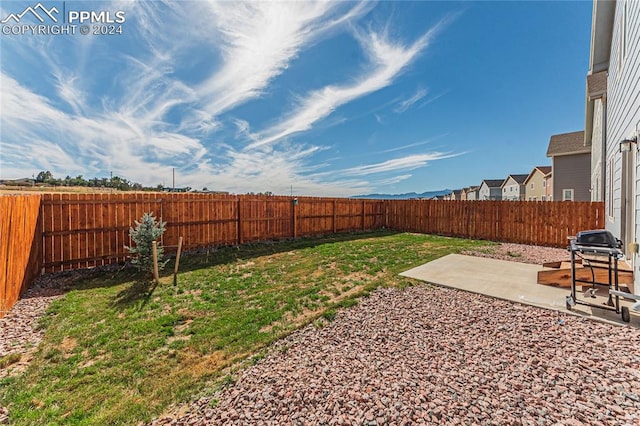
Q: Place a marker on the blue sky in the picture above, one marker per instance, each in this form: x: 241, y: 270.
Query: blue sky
x: 331, y: 98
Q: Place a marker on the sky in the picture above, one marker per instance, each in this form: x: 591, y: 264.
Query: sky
x: 334, y: 98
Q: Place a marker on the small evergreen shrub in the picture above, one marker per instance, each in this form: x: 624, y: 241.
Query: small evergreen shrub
x: 148, y: 230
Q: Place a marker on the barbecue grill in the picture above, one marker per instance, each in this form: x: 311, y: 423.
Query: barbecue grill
x: 604, y: 249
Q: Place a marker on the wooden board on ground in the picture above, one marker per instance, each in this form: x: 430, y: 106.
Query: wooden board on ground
x: 561, y: 277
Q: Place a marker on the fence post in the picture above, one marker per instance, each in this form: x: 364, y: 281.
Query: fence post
x: 240, y: 238
x: 334, y: 216
x: 154, y: 250
x: 294, y: 214
x: 363, y: 221
x: 175, y: 268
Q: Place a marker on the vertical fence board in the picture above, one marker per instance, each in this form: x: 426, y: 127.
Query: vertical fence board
x: 20, y: 246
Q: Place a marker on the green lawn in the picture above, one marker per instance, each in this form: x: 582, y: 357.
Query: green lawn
x: 118, y: 351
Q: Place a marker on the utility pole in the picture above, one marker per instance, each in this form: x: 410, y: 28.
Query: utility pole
x: 174, y: 180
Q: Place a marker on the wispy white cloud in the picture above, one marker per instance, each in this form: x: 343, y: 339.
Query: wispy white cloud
x: 114, y: 141
x: 387, y: 58
x: 409, y: 162
x: 408, y: 103
x: 259, y: 39
x: 275, y: 170
x: 411, y: 145
x: 391, y: 181
x: 117, y: 142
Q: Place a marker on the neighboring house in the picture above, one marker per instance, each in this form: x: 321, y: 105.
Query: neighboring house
x: 490, y: 189
x: 571, y: 165
x: 513, y: 188
x: 536, y: 183
x: 613, y: 114
x: 472, y: 193
x: 456, y: 195
x: 548, y: 186
x: 463, y: 194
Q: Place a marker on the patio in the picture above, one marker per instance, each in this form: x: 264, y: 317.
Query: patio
x: 508, y: 280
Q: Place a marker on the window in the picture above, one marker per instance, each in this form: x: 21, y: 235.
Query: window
x: 567, y: 194
x: 544, y: 183
x: 544, y: 198
x: 531, y: 185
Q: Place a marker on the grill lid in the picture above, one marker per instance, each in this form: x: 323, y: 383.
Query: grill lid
x: 598, y: 238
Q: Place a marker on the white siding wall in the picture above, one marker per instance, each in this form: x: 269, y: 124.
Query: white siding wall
x: 483, y: 192
x: 596, y: 152
x: 623, y: 109
x: 511, y: 191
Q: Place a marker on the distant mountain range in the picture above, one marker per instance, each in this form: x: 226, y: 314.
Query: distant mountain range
x: 406, y: 196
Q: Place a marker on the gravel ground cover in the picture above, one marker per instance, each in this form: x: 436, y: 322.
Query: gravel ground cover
x: 19, y: 332
x: 426, y: 355
x: 522, y: 253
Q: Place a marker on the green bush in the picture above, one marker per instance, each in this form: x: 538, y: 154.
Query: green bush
x: 143, y: 235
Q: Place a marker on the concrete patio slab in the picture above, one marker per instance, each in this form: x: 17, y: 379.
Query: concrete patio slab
x: 507, y: 280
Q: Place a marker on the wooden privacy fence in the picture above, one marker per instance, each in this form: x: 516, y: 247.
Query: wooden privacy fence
x: 524, y: 222
x: 85, y: 230
x: 55, y: 232
x: 20, y: 246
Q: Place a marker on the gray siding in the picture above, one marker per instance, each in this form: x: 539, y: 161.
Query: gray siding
x: 496, y: 194
x: 572, y: 172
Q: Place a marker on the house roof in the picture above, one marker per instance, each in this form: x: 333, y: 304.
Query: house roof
x: 567, y: 144
x: 545, y: 170
x: 597, y: 84
x: 493, y: 183
x: 518, y: 178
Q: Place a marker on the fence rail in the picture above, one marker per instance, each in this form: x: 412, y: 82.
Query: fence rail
x: 55, y: 232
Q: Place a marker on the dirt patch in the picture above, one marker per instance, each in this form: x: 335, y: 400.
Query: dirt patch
x: 201, y: 365
x: 68, y: 345
x: 345, y: 295
x: 182, y: 327
x: 184, y: 338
